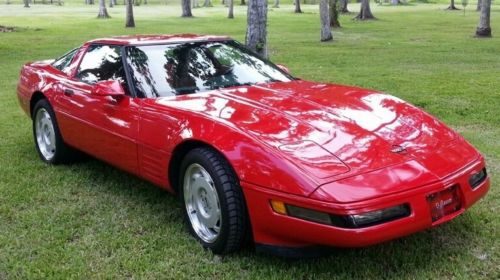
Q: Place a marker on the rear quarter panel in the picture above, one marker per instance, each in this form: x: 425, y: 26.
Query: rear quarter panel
x: 36, y: 77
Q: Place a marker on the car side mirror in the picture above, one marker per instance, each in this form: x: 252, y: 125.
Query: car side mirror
x: 283, y: 68
x: 108, y: 88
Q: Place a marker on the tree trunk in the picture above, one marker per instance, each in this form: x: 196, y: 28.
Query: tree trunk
x: 484, y: 28
x: 394, y: 2
x: 243, y: 3
x: 129, y: 18
x: 208, y: 3
x: 478, y: 7
x: 231, y: 9
x: 452, y: 6
x: 365, y: 12
x: 186, y: 8
x: 276, y: 4
x: 334, y: 14
x: 343, y: 6
x: 194, y: 4
x: 324, y: 15
x: 26, y: 3
x: 103, y: 12
x: 297, y: 6
x: 256, y: 36
x: 111, y: 5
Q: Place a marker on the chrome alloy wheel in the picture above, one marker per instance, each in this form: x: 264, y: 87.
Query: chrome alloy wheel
x: 45, y: 134
x: 202, y: 203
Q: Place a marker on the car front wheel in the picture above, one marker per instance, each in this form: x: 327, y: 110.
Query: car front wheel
x: 214, y: 206
x: 48, y: 141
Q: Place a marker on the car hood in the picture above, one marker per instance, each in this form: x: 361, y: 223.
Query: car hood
x: 328, y: 131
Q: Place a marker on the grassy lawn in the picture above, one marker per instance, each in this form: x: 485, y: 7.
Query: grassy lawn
x: 91, y: 220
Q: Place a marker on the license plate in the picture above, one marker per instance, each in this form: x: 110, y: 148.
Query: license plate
x: 444, y: 202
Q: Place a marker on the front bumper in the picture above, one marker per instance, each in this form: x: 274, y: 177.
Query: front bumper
x: 273, y: 229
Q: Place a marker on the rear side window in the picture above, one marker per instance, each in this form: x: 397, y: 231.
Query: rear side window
x: 101, y: 63
x: 64, y: 61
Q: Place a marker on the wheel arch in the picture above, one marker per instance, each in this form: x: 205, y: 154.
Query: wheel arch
x: 180, y: 151
x: 35, y: 97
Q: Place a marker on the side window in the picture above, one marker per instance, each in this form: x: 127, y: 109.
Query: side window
x: 101, y: 63
x: 64, y: 61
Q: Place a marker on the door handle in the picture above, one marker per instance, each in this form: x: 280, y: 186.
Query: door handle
x: 68, y: 92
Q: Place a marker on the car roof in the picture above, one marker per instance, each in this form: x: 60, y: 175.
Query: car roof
x: 157, y: 39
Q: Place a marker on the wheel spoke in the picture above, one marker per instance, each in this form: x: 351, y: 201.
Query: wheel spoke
x: 202, y: 203
x: 45, y: 134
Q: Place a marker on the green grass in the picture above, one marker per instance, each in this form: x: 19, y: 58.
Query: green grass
x: 91, y: 220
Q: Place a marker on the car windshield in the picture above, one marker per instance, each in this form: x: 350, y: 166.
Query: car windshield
x: 185, y: 68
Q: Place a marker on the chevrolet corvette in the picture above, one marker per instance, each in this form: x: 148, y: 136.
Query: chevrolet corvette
x: 254, y: 153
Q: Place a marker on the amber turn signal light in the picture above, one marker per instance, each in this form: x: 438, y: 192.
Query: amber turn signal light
x: 278, y: 207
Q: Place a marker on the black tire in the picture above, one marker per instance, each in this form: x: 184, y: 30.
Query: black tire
x: 62, y: 153
x: 234, y: 219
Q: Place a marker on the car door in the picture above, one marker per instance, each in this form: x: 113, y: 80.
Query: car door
x: 103, y: 126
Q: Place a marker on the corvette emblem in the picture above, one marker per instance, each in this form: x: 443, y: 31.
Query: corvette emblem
x: 398, y: 149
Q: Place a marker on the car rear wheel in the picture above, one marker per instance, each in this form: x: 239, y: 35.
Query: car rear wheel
x: 48, y: 141
x: 214, y: 206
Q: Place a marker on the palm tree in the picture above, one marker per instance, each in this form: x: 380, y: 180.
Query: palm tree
x: 297, y: 6
x: 231, y: 9
x: 343, y: 6
x: 256, y: 36
x: 103, y: 12
x: 129, y: 18
x: 452, y: 6
x: 365, y: 12
x: 324, y: 14
x: 484, y: 28
x: 334, y: 14
x: 186, y: 8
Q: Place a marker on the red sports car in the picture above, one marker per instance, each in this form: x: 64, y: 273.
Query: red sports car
x: 253, y: 152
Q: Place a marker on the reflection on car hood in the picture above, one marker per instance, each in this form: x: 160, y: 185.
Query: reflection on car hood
x: 327, y: 130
